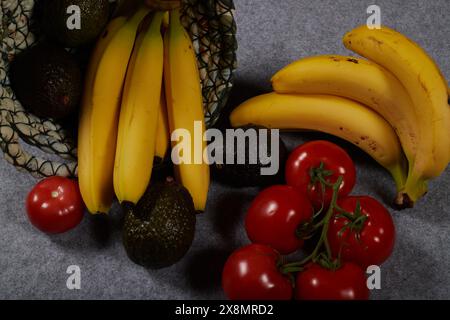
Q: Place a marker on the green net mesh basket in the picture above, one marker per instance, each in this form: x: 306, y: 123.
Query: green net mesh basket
x: 212, y: 28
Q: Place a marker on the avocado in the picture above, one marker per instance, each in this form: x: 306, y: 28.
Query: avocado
x: 47, y: 80
x: 249, y: 175
x: 159, y: 230
x: 94, y: 15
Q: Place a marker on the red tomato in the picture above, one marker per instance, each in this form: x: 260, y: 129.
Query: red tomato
x: 55, y: 205
x: 346, y: 283
x: 274, y: 217
x: 251, y: 273
x: 371, y: 245
x: 310, y: 155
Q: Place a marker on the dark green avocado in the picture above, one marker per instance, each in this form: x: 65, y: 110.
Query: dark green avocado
x: 249, y: 175
x: 159, y: 230
x: 94, y: 15
x: 47, y: 80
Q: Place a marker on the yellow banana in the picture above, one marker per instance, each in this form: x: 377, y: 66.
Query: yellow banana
x: 162, y: 130
x: 100, y: 113
x: 334, y: 115
x: 185, y: 104
x: 425, y: 84
x: 83, y: 132
x: 166, y: 20
x: 138, y: 120
x: 448, y: 101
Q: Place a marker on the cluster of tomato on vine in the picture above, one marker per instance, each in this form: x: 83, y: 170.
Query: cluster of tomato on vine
x: 348, y: 233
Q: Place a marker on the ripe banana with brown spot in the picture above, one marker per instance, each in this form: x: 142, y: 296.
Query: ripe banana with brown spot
x: 334, y: 115
x: 428, y: 90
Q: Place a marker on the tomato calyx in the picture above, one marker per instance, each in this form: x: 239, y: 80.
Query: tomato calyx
x: 356, y: 220
x: 319, y: 175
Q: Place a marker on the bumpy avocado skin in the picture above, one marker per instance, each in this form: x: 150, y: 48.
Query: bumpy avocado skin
x: 249, y: 175
x: 94, y: 17
x: 160, y: 229
x: 47, y: 80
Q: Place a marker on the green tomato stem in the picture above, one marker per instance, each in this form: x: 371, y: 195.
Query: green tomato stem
x: 323, y: 241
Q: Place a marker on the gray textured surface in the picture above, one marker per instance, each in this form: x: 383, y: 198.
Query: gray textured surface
x: 271, y: 34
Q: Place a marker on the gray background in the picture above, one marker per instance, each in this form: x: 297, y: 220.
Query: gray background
x: 271, y: 34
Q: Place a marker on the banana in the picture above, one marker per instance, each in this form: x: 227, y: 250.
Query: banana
x: 334, y: 115
x: 359, y: 80
x: 425, y: 84
x: 185, y: 104
x: 162, y: 130
x: 100, y: 112
x: 83, y: 132
x: 166, y: 20
x: 139, y: 114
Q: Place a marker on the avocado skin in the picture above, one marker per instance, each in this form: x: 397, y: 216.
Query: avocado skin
x: 249, y: 175
x: 94, y: 17
x: 160, y: 229
x: 47, y: 80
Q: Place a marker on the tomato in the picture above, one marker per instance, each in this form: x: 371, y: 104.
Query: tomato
x: 373, y: 243
x: 274, y: 216
x: 310, y: 156
x: 55, y: 205
x: 317, y: 283
x: 251, y: 273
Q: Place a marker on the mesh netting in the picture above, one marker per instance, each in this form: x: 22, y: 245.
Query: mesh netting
x: 212, y: 29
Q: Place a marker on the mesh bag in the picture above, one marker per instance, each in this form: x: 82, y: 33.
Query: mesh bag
x: 212, y: 28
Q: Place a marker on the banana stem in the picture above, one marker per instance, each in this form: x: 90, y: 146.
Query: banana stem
x: 415, y: 188
x: 398, y: 173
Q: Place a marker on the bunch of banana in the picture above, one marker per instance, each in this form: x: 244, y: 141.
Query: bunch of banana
x: 100, y: 111
x: 428, y: 89
x: 125, y: 119
x: 395, y: 101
